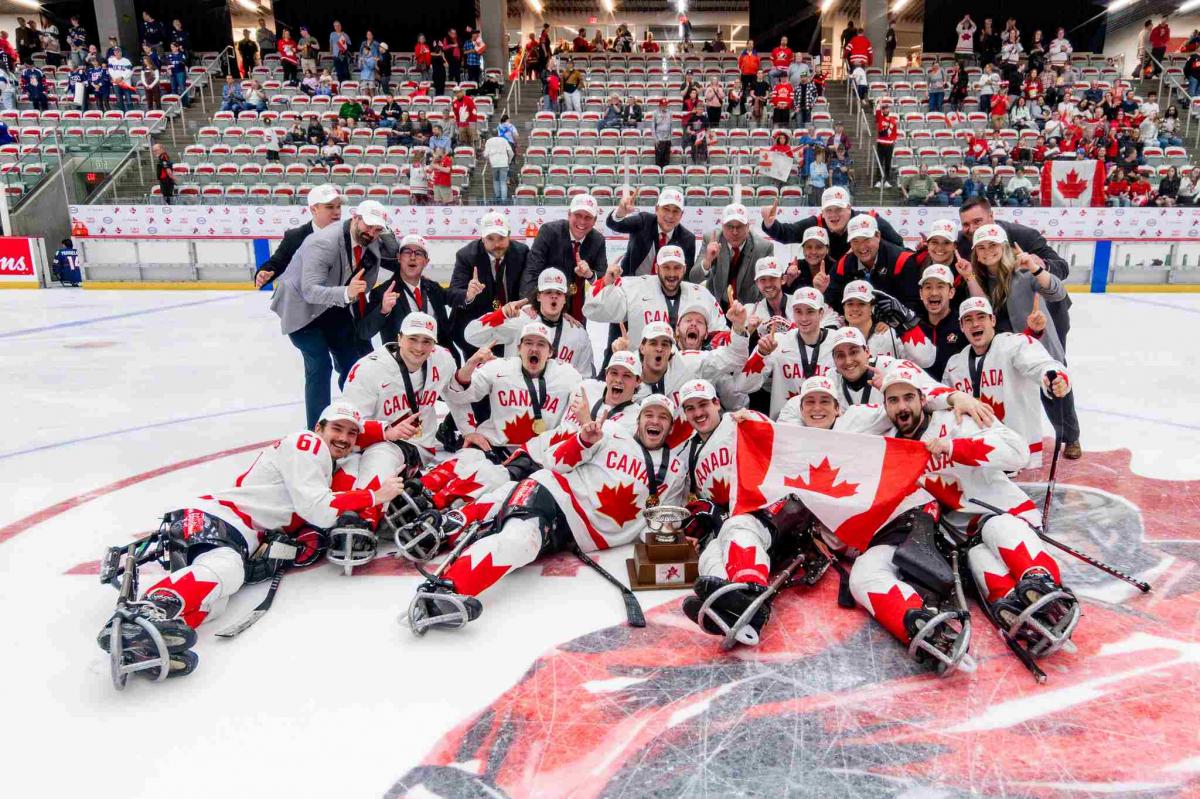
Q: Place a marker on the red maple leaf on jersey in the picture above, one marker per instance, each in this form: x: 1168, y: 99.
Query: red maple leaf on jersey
x: 493, y: 319
x: 822, y: 479
x: 470, y: 578
x: 742, y: 566
x: 996, y: 405
x: 754, y: 364
x: 945, y: 490
x: 1018, y: 560
x: 519, y: 429
x: 559, y: 436
x: 888, y: 609
x: 719, y: 493
x: 998, y: 585
x: 190, y: 591
x: 569, y: 452
x: 1073, y: 186
x: 618, y: 503
x: 971, y: 451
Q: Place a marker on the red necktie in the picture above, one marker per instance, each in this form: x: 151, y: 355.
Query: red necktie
x: 662, y: 240
x: 417, y: 297
x: 362, y: 298
x: 577, y: 296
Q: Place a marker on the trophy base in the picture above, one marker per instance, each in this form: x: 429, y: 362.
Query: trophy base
x: 662, y: 567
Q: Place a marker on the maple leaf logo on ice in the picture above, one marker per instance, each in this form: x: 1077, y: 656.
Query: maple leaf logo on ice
x: 617, y: 503
x: 1072, y: 186
x: 945, y: 490
x: 519, y: 429
x: 822, y: 479
x: 996, y: 405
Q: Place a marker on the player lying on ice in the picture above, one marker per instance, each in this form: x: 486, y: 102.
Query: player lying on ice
x: 279, y: 511
x: 590, y: 495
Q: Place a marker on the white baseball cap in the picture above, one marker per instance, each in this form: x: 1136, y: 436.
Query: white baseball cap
x: 586, y: 203
x: 942, y: 228
x: 901, y: 375
x: 992, y: 232
x: 657, y: 330
x: 537, y: 329
x: 815, y: 384
x: 937, y: 272
x: 767, y: 267
x: 846, y: 335
x: 697, y: 389
x: 670, y: 197
x: 806, y: 295
x: 372, y: 213
x: 735, y: 212
x: 419, y: 324
x: 975, y: 305
x: 661, y: 400
x: 342, y: 411
x: 696, y: 306
x: 626, y: 360
x: 858, y: 290
x: 816, y: 233
x: 493, y: 225
x: 862, y: 226
x: 319, y: 195
x: 835, y: 197
x: 552, y: 280
x: 415, y: 241
x: 670, y: 253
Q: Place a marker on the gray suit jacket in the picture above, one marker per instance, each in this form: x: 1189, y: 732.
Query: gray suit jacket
x: 718, y: 277
x: 315, y: 279
x: 1020, y: 304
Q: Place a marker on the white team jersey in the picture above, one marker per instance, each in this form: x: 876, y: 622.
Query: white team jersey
x: 287, y: 485
x: 866, y: 419
x: 912, y: 346
x: 783, y: 369
x: 376, y: 387
x: 763, y: 311
x: 602, y: 489
x: 504, y: 384
x: 975, y: 469
x: 574, y: 346
x: 848, y: 395
x: 707, y: 466
x: 718, y: 366
x: 622, y: 416
x: 639, y: 300
x: 1010, y: 381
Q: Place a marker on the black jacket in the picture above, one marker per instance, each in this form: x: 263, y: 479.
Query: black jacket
x: 793, y: 233
x: 434, y: 301
x: 947, y: 338
x: 1034, y: 243
x: 642, y: 228
x: 279, y: 260
x: 474, y: 257
x: 552, y: 250
x: 895, y: 272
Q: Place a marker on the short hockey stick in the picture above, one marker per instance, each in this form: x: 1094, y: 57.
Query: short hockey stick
x: 633, y: 609
x: 240, y: 627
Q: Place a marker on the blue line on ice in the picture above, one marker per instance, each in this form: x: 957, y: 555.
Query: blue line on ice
x: 1158, y: 303
x: 142, y: 312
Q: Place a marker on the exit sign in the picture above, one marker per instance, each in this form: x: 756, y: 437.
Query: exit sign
x: 591, y: 20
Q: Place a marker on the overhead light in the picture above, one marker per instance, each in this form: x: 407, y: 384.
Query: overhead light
x: 608, y: 5
x: 1117, y: 5
x: 249, y: 6
x: 536, y: 5
x: 33, y: 5
x: 898, y: 5
x: 681, y: 5
x: 733, y: 32
x: 1190, y: 5
x: 826, y: 5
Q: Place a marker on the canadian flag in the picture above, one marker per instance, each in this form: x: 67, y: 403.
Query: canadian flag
x: 1073, y: 183
x: 852, y: 483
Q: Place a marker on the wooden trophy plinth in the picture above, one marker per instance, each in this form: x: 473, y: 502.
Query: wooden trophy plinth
x: 665, y: 560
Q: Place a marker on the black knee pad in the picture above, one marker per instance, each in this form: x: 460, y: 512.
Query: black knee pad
x: 531, y: 500
x: 918, y: 558
x: 189, y: 532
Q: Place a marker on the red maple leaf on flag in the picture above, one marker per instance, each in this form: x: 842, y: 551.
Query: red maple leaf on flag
x: 519, y: 429
x: 971, y: 451
x: 493, y: 319
x: 719, y: 493
x: 569, y: 452
x: 822, y: 479
x: 754, y: 364
x: 617, y: 503
x: 1073, y: 186
x: 996, y: 405
x: 945, y: 490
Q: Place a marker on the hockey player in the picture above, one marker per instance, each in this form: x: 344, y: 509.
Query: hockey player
x: 639, y: 300
x: 772, y: 307
x: 590, y: 496
x: 1018, y: 578
x: 571, y: 343
x: 835, y: 215
x: 1006, y: 371
x: 889, y: 327
x: 221, y: 541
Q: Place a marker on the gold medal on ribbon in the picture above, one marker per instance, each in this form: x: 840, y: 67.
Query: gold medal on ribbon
x: 417, y: 432
x: 495, y: 305
x: 574, y: 289
x: 539, y: 426
x: 693, y: 498
x: 652, y: 501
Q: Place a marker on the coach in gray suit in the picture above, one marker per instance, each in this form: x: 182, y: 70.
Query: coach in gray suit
x: 727, y: 256
x: 324, y: 285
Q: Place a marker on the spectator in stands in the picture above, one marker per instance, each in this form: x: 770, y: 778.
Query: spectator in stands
x: 1059, y: 52
x: 696, y: 139
x: 1010, y: 61
x: 441, y: 166
x: 508, y: 130
x: 256, y: 99
x: 714, y: 101
x: 1018, y: 191
x: 176, y: 61
x: 818, y: 176
x: 623, y: 41
x: 384, y: 68
x: 1160, y: 39
x: 949, y: 188
x: 889, y: 43
x: 858, y: 76
x: 648, y: 43
x: 664, y: 129
x: 735, y: 104
x: 964, y: 40
x: 887, y: 130
x: 799, y: 70
x: 440, y: 140
x: 452, y: 49
x: 98, y: 85
x: 120, y: 73
x: 51, y: 45
x: 289, y: 57
x: 6, y: 136
x: 959, y: 88
x: 840, y: 167
x: 634, y: 114
x: 164, y: 171
x: 325, y: 208
x: 613, y: 114
x: 782, y: 98
x: 308, y: 48
x: 573, y: 85
x: 368, y: 69
x: 806, y: 100
x: 1141, y: 193
x: 473, y: 56
x: 150, y: 85
x: 1169, y: 129
x: 77, y: 40
x: 599, y: 45
x: 580, y: 43
x: 1191, y: 71
x: 1168, y: 188
x: 781, y: 60
x: 438, y: 66
x: 919, y: 188
x: 27, y: 42
x: 113, y: 44
x: 937, y: 87
x: 550, y: 92
x: 9, y: 85
x: 247, y: 50
x: 859, y: 51
x: 265, y: 37
x: 487, y: 276
x: 466, y: 119
x: 989, y: 43
x: 748, y: 65
x: 33, y: 81
x: 987, y: 86
x: 499, y: 154
x: 418, y: 176
x: 1189, y: 187
x: 339, y: 48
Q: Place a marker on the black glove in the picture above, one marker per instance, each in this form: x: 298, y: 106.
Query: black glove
x: 894, y: 313
x: 704, y: 523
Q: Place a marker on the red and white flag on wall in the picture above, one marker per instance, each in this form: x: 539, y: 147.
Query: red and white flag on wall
x: 852, y: 483
x: 1073, y: 183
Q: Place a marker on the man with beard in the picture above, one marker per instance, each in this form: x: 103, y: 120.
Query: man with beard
x: 590, y: 496
x: 772, y: 306
x: 637, y: 301
x: 571, y: 344
x: 1006, y: 371
x: 487, y: 275
x: 325, y: 207
x: 574, y: 247
x: 649, y: 233
x: 834, y: 216
x: 723, y: 254
x: 887, y: 267
x: 1014, y: 572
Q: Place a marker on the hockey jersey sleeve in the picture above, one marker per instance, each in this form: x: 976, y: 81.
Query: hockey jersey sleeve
x: 917, y: 347
x: 606, y: 302
x: 1031, y: 358
x: 567, y: 455
x: 790, y: 412
x: 725, y: 360
x: 584, y: 360
x: 752, y: 375
x: 304, y: 462
x: 997, y: 447
x: 480, y: 387
x: 493, y: 326
x: 362, y: 391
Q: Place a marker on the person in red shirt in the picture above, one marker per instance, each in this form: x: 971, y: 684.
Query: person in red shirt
x: 999, y: 109
x: 442, y: 167
x: 781, y: 59
x: 648, y: 43
x: 859, y: 52
x: 580, y: 43
x: 1140, y: 192
x: 289, y: 57
x: 1116, y: 189
x: 782, y: 97
x: 748, y: 65
x: 552, y: 88
x: 532, y: 49
x: 1160, y: 39
x: 887, y: 130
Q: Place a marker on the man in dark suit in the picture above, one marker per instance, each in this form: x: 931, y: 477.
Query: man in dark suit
x: 574, y: 247
x: 977, y: 212
x: 834, y: 217
x: 400, y: 289
x: 649, y: 233
x: 325, y: 207
x: 487, y: 275
x: 727, y: 258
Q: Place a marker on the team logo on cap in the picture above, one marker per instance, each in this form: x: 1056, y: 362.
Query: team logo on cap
x: 661, y: 400
x: 816, y: 384
x: 816, y: 233
x: 989, y: 233
x: 657, y: 330
x: 627, y: 360
x: 809, y: 296
x: 415, y: 241
x: 670, y: 253
x: 847, y: 335
x: 975, y: 305
x: 670, y: 197
x: 552, y: 280
x: 767, y: 267
x: 835, y: 196
x: 419, y: 324
x: 938, y: 272
x: 586, y: 203
x: 536, y: 329
x: 697, y: 389
x: 337, y: 411
x: 861, y: 227
x: 901, y: 375
x: 942, y: 228
x: 858, y: 290
x: 735, y: 212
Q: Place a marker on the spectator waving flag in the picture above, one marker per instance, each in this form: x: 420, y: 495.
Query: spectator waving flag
x: 852, y: 483
x: 1073, y: 183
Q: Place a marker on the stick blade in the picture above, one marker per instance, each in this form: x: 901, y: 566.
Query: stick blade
x: 235, y: 630
x: 633, y: 610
